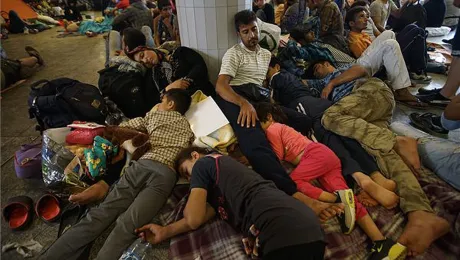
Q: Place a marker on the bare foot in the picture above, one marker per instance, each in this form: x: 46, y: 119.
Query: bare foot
x: 383, y: 181
x: 422, y: 229
x: 94, y: 193
x: 323, y: 210
x: 366, y: 199
x: 386, y: 198
x: 406, y: 147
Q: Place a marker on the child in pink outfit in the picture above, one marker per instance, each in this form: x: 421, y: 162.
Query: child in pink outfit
x: 316, y: 161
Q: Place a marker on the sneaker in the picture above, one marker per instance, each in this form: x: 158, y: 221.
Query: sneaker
x: 435, y: 99
x: 420, y: 78
x: 348, y: 218
x: 387, y: 250
x: 429, y: 123
x: 424, y: 91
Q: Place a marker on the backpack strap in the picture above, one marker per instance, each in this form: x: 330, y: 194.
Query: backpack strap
x: 216, y: 158
x: 35, y: 85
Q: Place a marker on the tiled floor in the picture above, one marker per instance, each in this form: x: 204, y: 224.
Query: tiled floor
x: 78, y: 58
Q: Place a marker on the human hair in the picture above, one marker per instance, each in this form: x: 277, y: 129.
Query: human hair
x: 163, y: 3
x: 186, y: 154
x: 362, y: 3
x: 310, y: 72
x: 264, y: 109
x: 278, y: 2
x: 244, y: 17
x: 181, y: 98
x: 297, y: 33
x: 353, y: 13
x: 274, y: 61
x: 133, y: 38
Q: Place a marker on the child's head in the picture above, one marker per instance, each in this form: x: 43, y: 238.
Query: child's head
x: 132, y: 38
x: 273, y: 67
x: 303, y: 34
x: 175, y: 100
x: 357, y: 18
x: 187, y: 158
x: 269, y: 113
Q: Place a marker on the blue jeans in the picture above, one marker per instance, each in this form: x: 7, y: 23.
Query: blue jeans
x: 449, y: 124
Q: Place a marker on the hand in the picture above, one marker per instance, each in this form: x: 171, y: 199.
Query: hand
x: 180, y: 83
x: 248, y: 115
x: 154, y: 234
x: 327, y: 90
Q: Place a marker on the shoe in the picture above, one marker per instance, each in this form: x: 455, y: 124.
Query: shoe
x: 448, y: 41
x: 18, y: 212
x: 435, y: 99
x: 348, y: 218
x: 48, y: 208
x: 387, y: 250
x: 34, y: 53
x: 424, y: 91
x: 428, y: 122
x: 420, y: 78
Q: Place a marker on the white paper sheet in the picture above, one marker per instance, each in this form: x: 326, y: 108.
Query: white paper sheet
x: 205, y: 117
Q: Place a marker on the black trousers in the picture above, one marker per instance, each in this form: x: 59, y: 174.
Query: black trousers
x: 310, y: 251
x: 351, y: 154
x: 255, y: 146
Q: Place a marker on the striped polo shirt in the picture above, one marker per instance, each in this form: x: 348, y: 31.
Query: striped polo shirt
x: 245, y: 66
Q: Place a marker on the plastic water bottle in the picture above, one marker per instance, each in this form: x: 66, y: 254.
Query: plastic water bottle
x: 137, y: 251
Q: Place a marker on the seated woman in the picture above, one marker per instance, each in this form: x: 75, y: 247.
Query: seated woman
x: 283, y: 226
x: 316, y: 161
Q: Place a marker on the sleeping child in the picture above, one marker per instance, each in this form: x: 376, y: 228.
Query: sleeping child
x: 317, y: 161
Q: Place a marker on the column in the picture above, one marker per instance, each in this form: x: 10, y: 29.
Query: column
x: 207, y: 26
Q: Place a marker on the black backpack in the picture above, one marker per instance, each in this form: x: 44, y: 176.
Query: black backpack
x: 132, y: 92
x: 59, y: 102
x: 413, y: 13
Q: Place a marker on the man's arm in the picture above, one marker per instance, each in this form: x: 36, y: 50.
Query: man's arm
x: 196, y: 213
x: 397, y: 12
x: 156, y: 36
x: 355, y: 72
x: 248, y: 115
x: 122, y: 17
x: 376, y: 16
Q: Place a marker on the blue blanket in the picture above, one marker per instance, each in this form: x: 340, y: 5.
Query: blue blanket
x: 91, y: 25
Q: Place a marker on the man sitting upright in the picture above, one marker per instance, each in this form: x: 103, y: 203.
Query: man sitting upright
x: 142, y: 190
x: 243, y: 71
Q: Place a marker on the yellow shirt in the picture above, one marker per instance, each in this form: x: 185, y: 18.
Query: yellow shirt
x: 358, y: 43
x: 278, y: 12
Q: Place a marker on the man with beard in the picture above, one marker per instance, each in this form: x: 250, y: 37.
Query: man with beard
x: 239, y: 86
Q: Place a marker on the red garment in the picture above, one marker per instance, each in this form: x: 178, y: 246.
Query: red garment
x: 320, y: 162
x: 122, y: 4
x: 286, y: 142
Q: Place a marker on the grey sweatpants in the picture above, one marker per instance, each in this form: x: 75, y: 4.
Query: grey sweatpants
x: 133, y: 202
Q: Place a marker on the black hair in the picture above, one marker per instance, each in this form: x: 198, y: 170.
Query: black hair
x: 353, y: 13
x: 186, y: 154
x: 163, y: 3
x: 310, y: 72
x: 297, y: 34
x: 133, y: 38
x: 362, y: 3
x: 244, y: 17
x: 181, y: 98
x: 264, y: 109
x: 274, y: 61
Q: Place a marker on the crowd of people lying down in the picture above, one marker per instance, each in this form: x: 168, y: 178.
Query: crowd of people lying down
x: 330, y: 120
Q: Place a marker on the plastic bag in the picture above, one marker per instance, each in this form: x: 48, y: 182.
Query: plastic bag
x: 55, y: 159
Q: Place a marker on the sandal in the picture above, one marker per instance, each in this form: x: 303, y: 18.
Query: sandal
x: 425, y: 123
x: 413, y: 104
x: 18, y: 212
x: 48, y: 208
x: 34, y: 53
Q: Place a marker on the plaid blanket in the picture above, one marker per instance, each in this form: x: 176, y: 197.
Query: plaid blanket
x: 217, y: 240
